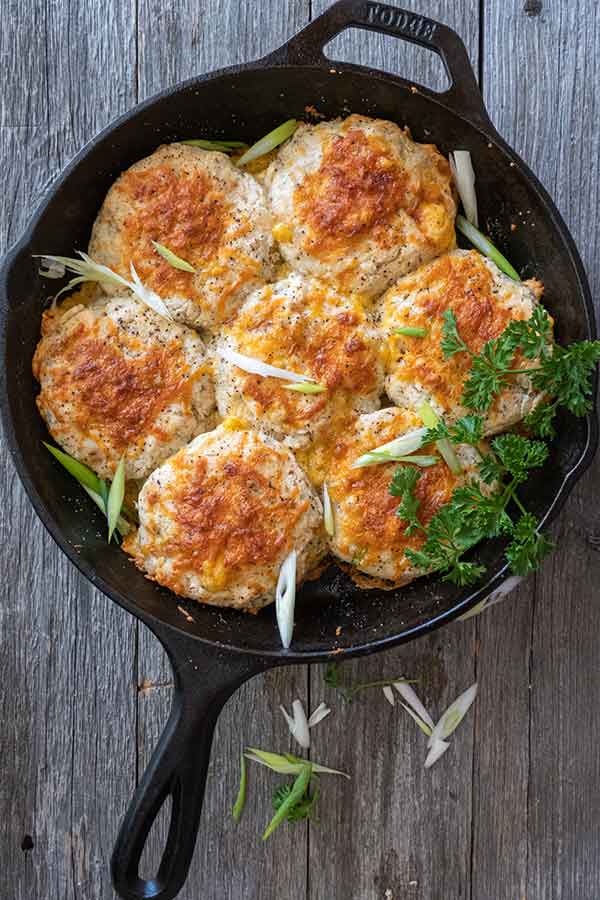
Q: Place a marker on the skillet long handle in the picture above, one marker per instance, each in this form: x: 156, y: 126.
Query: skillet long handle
x: 204, y: 680
x: 306, y: 47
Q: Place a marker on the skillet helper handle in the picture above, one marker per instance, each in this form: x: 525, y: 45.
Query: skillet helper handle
x: 463, y: 95
x: 204, y: 680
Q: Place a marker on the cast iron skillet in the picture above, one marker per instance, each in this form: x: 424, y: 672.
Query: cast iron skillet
x: 216, y: 651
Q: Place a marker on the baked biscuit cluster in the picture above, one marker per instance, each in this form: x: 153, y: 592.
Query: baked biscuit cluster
x: 309, y: 265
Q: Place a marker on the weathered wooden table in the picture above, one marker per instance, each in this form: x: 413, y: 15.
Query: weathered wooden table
x: 513, y: 810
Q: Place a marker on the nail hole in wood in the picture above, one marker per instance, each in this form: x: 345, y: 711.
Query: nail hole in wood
x: 27, y: 843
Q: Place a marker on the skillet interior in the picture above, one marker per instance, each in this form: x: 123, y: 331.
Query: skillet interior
x: 246, y: 103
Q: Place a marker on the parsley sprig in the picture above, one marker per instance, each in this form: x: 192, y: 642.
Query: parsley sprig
x: 564, y: 374
x: 473, y: 513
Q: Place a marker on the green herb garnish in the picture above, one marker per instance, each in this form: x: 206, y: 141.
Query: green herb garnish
x: 303, y: 809
x: 116, y: 495
x: 471, y: 515
x: 269, y: 142
x: 410, y: 331
x: 96, y: 488
x: 172, y: 258
x: 293, y: 798
x: 349, y: 691
x: 240, y: 802
x: 563, y: 373
x: 305, y: 387
x: 485, y: 246
x: 220, y: 146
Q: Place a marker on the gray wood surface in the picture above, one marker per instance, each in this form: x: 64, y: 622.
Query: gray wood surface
x: 513, y: 810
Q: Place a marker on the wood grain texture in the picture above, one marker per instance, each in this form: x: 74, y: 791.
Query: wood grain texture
x: 396, y: 827
x: 541, y: 77
x: 67, y: 704
x: 230, y: 861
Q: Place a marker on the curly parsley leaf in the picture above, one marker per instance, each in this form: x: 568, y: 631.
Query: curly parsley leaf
x: 531, y: 336
x: 540, y: 420
x: 303, y: 809
x: 490, y: 469
x: 451, y: 340
x: 518, y: 454
x: 567, y: 375
x: 403, y: 485
x: 464, y: 573
x: 528, y: 547
x: 468, y: 430
x: 563, y: 373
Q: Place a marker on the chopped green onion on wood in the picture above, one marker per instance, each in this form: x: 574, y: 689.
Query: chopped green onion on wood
x: 238, y: 806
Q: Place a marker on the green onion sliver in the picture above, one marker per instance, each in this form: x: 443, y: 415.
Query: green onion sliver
x: 269, y: 142
x: 445, y: 447
x: 293, y: 798
x: 84, y: 475
x: 410, y: 331
x: 400, y: 446
x: 171, y: 258
x: 123, y: 526
x: 238, y: 806
x: 116, y: 496
x: 328, y: 519
x: 485, y: 246
x: 374, y: 459
x: 219, y: 146
x: 305, y: 387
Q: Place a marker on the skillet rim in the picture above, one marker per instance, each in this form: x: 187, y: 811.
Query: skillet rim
x: 277, y: 655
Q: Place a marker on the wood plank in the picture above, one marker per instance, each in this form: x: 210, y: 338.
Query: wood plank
x: 68, y: 704
x: 397, y: 831
x: 177, y: 41
x: 501, y: 760
x: 549, y: 113
x: 395, y: 827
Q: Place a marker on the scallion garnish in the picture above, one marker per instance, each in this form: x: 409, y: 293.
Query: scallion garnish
x: 171, y: 258
x: 464, y: 176
x: 485, y: 246
x: 300, y: 725
x: 116, y: 495
x: 219, y: 146
x: 328, y: 519
x: 269, y: 142
x: 401, y: 446
x: 286, y: 764
x: 84, y: 475
x: 376, y: 459
x: 349, y: 691
x: 258, y: 367
x: 430, y: 419
x: 296, y: 794
x: 305, y: 387
x: 451, y: 719
x: 87, y: 270
x: 285, y: 599
x: 96, y: 488
x: 410, y: 331
x: 240, y: 802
